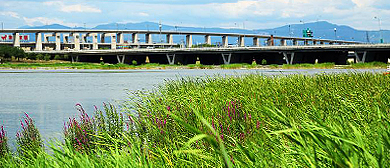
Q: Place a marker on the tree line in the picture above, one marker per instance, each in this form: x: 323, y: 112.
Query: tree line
x: 9, y: 52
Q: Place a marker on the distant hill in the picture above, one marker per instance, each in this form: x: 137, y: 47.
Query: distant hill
x: 321, y: 29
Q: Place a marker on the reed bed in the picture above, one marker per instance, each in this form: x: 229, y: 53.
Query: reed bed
x: 328, y: 120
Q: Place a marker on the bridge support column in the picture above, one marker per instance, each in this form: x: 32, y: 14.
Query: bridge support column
x: 148, y: 38
x: 46, y: 37
x: 95, y: 45
x: 121, y: 38
x: 256, y: 42
x: 270, y: 41
x: 16, y: 40
x: 113, y: 41
x: 289, y: 60
x: 226, y: 58
x: 75, y: 58
x: 65, y: 38
x: 58, y: 41
x: 283, y: 42
x: 102, y: 37
x: 295, y: 42
x: 38, y: 41
x: 171, y: 58
x: 135, y: 38
x: 84, y: 38
x: 189, y: 41
x: 241, y: 41
x: 207, y: 39
x: 362, y: 59
x: 121, y: 59
x: 225, y: 41
x: 76, y: 37
x: 169, y: 39
x: 314, y: 42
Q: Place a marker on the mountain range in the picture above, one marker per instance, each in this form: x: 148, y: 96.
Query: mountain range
x: 321, y: 29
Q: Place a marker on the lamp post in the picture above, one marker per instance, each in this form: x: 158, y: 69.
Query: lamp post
x: 380, y: 28
x: 335, y: 33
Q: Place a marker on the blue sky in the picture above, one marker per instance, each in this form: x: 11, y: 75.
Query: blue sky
x: 251, y: 14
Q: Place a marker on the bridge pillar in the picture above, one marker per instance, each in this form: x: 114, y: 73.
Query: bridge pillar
x: 270, y: 41
x: 135, y: 38
x: 148, y: 38
x: 113, y: 41
x: 76, y: 37
x: 256, y: 42
x: 189, y: 41
x: 84, y: 38
x: 207, y: 39
x: 121, y: 38
x: 225, y: 41
x: 169, y: 39
x: 226, y: 57
x: 295, y: 42
x: 95, y: 45
x: 241, y: 41
x: 289, y: 59
x: 121, y: 58
x: 65, y: 38
x: 171, y: 58
x: 16, y: 40
x: 314, y: 42
x: 46, y: 37
x: 283, y: 42
x: 360, y: 59
x: 75, y: 58
x: 58, y: 41
x: 38, y: 41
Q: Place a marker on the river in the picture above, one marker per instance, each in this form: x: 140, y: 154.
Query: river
x: 49, y: 96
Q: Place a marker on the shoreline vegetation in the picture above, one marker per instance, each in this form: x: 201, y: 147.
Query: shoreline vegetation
x: 324, y: 120
x: 55, y: 64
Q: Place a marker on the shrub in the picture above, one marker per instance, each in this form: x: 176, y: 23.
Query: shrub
x: 4, y: 150
x: 40, y: 57
x: 47, y: 57
x: 29, y: 139
x: 58, y: 57
x: 66, y: 57
x: 254, y: 62
x: 263, y: 62
x: 102, y: 63
x: 134, y: 62
x: 31, y: 56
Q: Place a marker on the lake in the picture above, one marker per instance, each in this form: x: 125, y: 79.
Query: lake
x: 49, y: 96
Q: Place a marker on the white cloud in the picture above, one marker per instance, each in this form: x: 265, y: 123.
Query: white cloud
x: 73, y: 8
x: 47, y: 21
x: 143, y: 14
x: 11, y: 14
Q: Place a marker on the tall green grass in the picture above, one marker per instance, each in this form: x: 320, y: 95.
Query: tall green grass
x: 336, y: 120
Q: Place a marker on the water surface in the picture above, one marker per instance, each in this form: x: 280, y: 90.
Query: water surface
x: 49, y: 96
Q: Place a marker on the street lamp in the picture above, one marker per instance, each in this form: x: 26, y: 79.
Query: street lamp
x: 335, y: 33
x: 380, y: 29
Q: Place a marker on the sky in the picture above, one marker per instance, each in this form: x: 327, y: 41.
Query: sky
x: 248, y: 14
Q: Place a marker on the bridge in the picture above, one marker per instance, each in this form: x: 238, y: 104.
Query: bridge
x: 111, y: 46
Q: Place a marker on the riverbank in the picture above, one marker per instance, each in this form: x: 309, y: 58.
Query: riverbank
x: 336, y: 120
x: 52, y: 65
